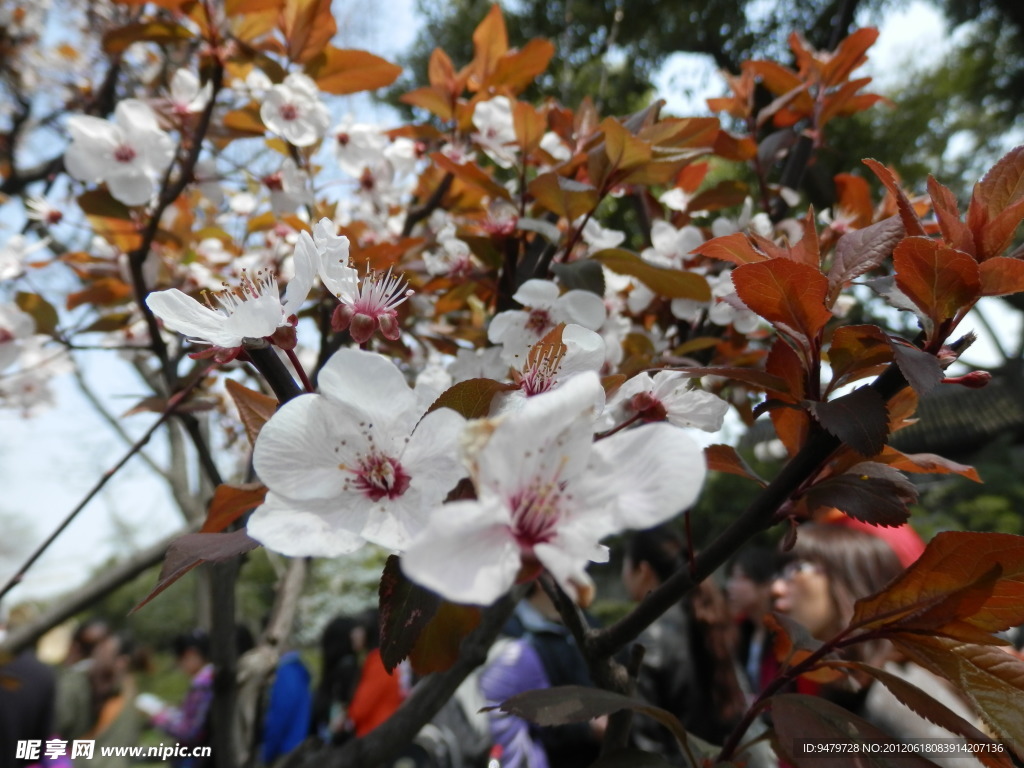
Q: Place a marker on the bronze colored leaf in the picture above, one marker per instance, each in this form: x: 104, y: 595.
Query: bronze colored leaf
x: 437, y: 646
x: 103, y: 292
x: 254, y: 408
x: 490, y: 43
x: 869, y: 491
x: 947, y: 211
x: 471, y: 398
x: 517, y: 69
x: 671, y: 283
x: 192, y: 549
x: 164, y: 33
x: 724, y: 458
x: 307, y: 26
x: 734, y: 248
x: 990, y: 678
x: 861, y: 251
x: 1003, y: 185
x: 953, y: 565
x: 405, y: 609
x: 938, y: 280
x: 932, y: 710
x: 787, y: 294
x: 909, y: 217
x: 565, y: 197
x: 230, y: 502
x: 922, y: 370
x: 471, y: 174
x: 857, y: 351
x: 343, y: 71
x: 803, y: 722
x: 40, y: 309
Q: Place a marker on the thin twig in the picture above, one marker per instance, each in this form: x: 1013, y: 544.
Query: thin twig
x: 172, y: 404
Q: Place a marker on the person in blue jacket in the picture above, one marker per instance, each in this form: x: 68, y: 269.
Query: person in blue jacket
x: 289, y: 709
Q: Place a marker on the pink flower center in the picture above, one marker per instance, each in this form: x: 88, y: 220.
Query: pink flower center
x: 648, y: 407
x: 288, y: 112
x: 343, y: 139
x: 274, y: 182
x: 536, y: 511
x: 6, y: 336
x: 124, y: 154
x: 380, y: 477
x: 539, y: 321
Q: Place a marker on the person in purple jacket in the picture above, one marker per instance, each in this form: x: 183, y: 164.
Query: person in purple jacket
x: 188, y: 723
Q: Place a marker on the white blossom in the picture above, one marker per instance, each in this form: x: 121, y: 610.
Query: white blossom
x: 294, y: 112
x: 127, y: 153
x: 358, y: 462
x: 547, y: 494
x: 496, y: 131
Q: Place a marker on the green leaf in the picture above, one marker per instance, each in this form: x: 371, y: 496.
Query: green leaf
x: 671, y: 283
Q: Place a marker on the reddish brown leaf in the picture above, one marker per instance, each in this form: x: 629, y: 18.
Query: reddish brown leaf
x: 872, y: 492
x: 922, y: 370
x: 230, y: 502
x: 254, y: 408
x: 116, y: 41
x: 490, y: 43
x: 42, y: 311
x: 991, y: 679
x: 672, y: 283
x: 849, y: 55
x: 307, y: 26
x: 1001, y: 275
x: 858, y: 418
x: 112, y: 220
x: 909, y: 217
x: 953, y: 565
x: 1003, y: 185
x: 530, y: 124
x: 989, y: 753
x: 854, y: 197
x: 471, y: 398
x: 998, y: 233
x: 565, y: 197
x: 516, y: 70
x: 431, y: 99
x: 856, y: 352
x: 956, y: 234
x: 784, y: 362
x: 245, y: 121
x: 803, y: 722
x: 735, y: 248
x: 751, y: 376
x: 862, y: 250
x: 192, y: 549
x: 440, y: 70
x: 342, y: 72
x: 789, y: 295
x: 405, y: 609
x: 938, y: 280
x: 471, y: 174
x: 792, y: 644
x: 724, y: 458
x: 102, y: 292
x: 927, y: 463
x: 437, y: 646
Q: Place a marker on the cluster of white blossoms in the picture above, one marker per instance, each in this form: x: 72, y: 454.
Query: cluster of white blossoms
x: 361, y: 462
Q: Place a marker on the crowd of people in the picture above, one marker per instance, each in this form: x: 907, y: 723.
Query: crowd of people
x: 705, y: 660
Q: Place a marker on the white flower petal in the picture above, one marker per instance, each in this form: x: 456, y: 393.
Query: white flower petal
x: 538, y: 294
x: 582, y: 307
x: 187, y: 316
x: 654, y: 472
x: 131, y: 188
x: 370, y: 381
x: 283, y: 526
x: 467, y: 554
